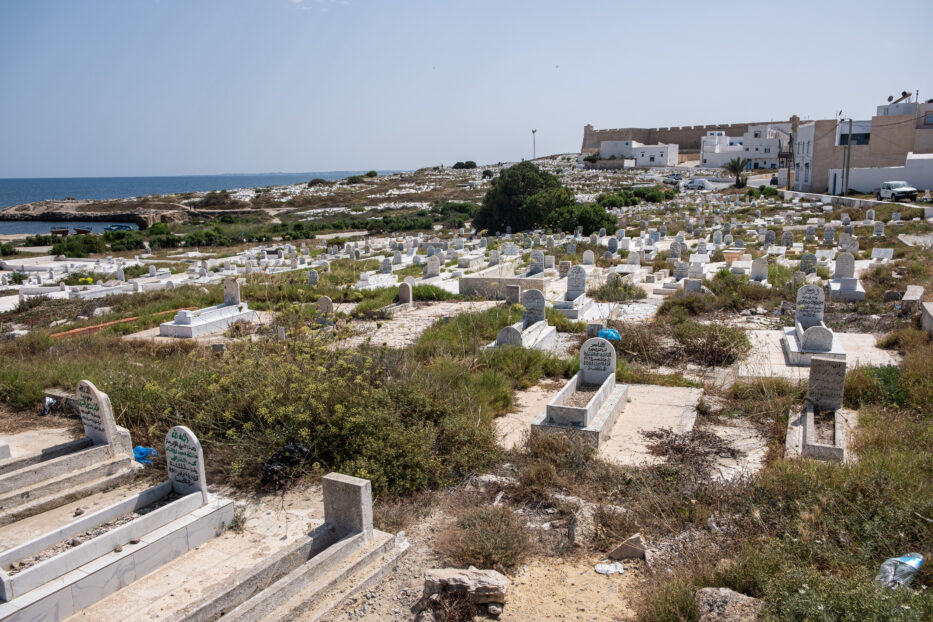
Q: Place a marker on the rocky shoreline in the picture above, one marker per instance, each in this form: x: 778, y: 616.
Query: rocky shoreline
x: 143, y: 215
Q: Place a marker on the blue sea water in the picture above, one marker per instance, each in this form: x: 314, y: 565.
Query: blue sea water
x: 19, y: 191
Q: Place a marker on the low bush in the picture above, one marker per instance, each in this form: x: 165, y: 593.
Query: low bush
x: 617, y: 290
x: 711, y: 344
x: 487, y: 537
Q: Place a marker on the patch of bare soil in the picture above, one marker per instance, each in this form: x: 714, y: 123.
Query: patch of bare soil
x: 545, y: 587
x: 14, y: 421
x: 582, y: 396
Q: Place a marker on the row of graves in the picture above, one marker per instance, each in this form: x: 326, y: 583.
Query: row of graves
x: 77, y: 561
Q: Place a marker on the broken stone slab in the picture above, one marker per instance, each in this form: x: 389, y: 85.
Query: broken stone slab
x: 633, y: 548
x: 720, y: 604
x: 481, y: 586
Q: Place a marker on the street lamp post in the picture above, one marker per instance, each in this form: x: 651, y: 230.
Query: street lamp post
x: 533, y: 144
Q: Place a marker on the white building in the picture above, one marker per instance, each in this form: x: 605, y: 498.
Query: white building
x: 760, y: 145
x: 917, y: 171
x: 644, y: 155
x: 716, y: 149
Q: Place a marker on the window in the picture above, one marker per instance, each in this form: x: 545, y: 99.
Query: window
x: 757, y: 134
x: 746, y: 149
x: 857, y: 139
x: 928, y: 118
x: 767, y: 149
x: 652, y: 159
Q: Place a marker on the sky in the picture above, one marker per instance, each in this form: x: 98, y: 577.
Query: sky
x: 186, y: 87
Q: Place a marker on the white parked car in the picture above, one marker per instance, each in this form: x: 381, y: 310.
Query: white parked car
x: 896, y: 191
x: 698, y: 184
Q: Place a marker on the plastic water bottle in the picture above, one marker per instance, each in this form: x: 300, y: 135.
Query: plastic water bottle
x: 899, y: 571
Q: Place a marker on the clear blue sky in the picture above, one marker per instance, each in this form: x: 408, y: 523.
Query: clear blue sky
x: 163, y: 87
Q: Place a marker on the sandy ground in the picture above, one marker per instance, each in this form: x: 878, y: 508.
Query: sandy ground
x: 407, y: 324
x: 549, y: 588
x: 767, y: 355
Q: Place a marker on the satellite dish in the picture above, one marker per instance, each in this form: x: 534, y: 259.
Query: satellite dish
x: 890, y: 98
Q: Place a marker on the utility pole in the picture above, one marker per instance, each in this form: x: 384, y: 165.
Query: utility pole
x: 533, y: 144
x: 848, y: 161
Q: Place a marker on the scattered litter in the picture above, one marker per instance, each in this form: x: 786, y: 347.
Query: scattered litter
x: 49, y: 402
x: 899, y: 571
x: 613, y: 568
x: 291, y: 455
x: 144, y: 455
x: 498, y: 501
x: 611, y: 334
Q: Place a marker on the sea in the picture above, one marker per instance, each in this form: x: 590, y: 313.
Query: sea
x: 19, y: 191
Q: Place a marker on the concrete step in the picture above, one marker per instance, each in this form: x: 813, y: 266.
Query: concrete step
x: 362, y: 580
x: 324, y: 582
x: 64, y: 488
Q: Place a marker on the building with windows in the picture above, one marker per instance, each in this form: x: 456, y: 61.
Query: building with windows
x: 644, y: 155
x: 885, y: 140
x: 760, y: 145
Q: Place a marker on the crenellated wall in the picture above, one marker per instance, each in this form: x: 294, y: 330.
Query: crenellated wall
x: 688, y: 137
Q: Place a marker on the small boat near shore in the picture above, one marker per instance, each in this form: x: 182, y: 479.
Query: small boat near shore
x: 61, y: 231
x: 82, y: 230
x: 118, y: 228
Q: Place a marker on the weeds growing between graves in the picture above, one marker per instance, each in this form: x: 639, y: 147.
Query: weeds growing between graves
x: 808, y: 536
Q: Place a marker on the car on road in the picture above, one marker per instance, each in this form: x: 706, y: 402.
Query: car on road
x: 698, y: 184
x: 896, y: 191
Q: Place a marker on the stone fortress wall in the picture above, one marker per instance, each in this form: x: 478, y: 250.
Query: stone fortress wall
x: 688, y: 137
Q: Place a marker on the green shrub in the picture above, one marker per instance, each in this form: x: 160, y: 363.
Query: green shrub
x: 488, y: 537
x: 617, y: 290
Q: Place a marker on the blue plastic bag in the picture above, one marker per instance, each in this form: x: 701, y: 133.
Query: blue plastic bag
x: 611, y: 334
x: 144, y: 455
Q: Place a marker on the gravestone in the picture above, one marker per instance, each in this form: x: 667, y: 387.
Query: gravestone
x: 533, y: 301
x: 313, y: 277
x: 759, y: 271
x: 769, y: 237
x: 396, y: 258
x: 681, y: 270
x: 879, y: 229
x: 386, y: 267
x: 787, y: 239
x: 563, y: 268
x: 152, y: 271
x: 493, y: 258
x: 717, y: 237
x: 827, y: 383
x: 808, y: 263
x: 588, y: 258
x: 613, y: 245
x: 848, y: 243
x: 811, y: 299
x: 676, y: 250
x: 537, y: 262
x: 325, y: 305
x: 509, y: 336
x: 829, y: 235
x: 845, y: 266
x: 96, y: 413
x: 870, y: 215
x: 513, y: 293
x: 185, y: 460
x: 404, y: 293
x: 895, y: 217
x: 549, y: 262
x: 597, y: 360
x: 576, y: 282
x: 231, y: 292
x: 432, y: 267
x: 811, y: 233
x: 571, y: 249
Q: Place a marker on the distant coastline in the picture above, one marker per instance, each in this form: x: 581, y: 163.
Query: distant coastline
x: 32, y: 190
